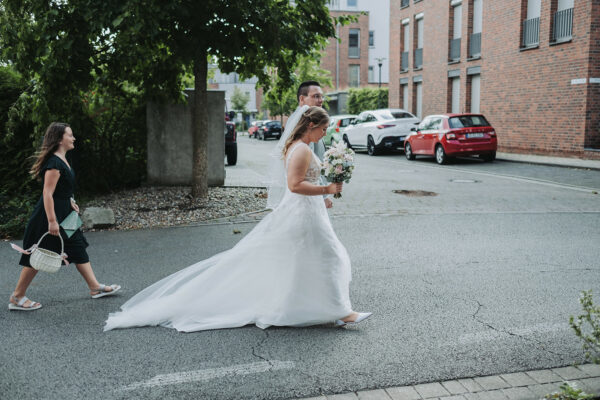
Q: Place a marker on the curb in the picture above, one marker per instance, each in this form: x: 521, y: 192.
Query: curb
x: 550, y: 161
x: 529, y: 385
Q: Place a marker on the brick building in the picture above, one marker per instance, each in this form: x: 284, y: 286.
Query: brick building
x: 348, y: 60
x: 532, y: 67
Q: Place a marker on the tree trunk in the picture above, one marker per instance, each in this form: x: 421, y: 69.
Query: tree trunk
x: 200, y: 128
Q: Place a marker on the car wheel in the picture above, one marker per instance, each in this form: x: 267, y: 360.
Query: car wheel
x: 488, y: 157
x: 232, y: 155
x: 345, y: 138
x: 408, y: 152
x: 440, y: 155
x: 371, y: 149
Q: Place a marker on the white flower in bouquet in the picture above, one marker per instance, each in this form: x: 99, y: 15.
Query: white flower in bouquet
x: 338, y: 164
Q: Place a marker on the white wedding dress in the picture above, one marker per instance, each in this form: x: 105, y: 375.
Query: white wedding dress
x: 290, y: 270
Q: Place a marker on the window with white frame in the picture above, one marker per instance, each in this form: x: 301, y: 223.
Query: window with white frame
x: 371, y: 73
x: 371, y: 38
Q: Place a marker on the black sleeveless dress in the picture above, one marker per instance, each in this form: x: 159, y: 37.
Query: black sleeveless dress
x: 38, y: 222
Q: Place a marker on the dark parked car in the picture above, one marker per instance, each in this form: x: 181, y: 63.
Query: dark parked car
x: 269, y: 129
x: 230, y: 143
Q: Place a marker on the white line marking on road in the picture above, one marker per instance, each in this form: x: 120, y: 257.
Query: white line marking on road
x: 211, y: 373
x: 511, y: 177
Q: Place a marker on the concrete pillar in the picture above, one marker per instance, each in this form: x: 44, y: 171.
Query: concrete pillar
x: 170, y: 141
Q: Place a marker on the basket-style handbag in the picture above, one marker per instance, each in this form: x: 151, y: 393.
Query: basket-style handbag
x: 43, y: 259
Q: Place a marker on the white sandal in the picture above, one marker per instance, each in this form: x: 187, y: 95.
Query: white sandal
x: 359, y: 318
x: 19, y: 306
x: 102, y: 292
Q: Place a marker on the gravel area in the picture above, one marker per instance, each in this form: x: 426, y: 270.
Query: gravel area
x: 154, y: 206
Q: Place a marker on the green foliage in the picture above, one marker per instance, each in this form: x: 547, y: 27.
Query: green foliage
x: 281, y: 98
x: 587, y: 327
x: 360, y: 100
x: 239, y: 100
x: 568, y: 391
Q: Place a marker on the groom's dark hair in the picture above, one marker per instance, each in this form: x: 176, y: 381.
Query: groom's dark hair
x: 304, y: 86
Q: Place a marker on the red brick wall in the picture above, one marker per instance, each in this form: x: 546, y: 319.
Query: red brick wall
x: 328, y: 62
x: 527, y: 95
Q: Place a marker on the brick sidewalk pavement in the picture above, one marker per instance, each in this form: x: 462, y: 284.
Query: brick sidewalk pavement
x: 528, y: 385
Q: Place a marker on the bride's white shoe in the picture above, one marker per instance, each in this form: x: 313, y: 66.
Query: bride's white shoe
x: 361, y: 317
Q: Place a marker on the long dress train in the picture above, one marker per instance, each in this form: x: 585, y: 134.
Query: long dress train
x: 290, y: 270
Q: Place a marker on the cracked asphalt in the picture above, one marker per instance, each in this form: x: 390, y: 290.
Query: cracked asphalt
x: 478, y: 280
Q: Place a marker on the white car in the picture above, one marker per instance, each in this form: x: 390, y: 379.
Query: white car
x: 378, y: 130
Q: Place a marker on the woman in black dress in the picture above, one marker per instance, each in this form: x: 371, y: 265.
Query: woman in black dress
x: 56, y: 202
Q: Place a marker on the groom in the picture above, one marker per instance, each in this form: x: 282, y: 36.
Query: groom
x: 310, y: 94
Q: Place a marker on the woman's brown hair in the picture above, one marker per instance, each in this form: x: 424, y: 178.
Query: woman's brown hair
x: 314, y: 114
x: 52, y: 137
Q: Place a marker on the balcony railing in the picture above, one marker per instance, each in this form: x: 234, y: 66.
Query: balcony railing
x: 455, y: 49
x: 418, y: 58
x: 563, y: 25
x: 531, y: 32
x: 354, y: 52
x: 404, y: 65
x: 475, y: 45
x: 404, y: 3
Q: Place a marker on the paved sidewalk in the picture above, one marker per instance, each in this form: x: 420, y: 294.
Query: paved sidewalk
x: 547, y: 160
x: 516, y: 386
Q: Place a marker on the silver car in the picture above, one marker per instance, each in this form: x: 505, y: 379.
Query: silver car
x: 378, y: 130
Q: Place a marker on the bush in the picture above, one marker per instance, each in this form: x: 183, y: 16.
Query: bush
x: 360, y: 100
x: 17, y: 190
x: 587, y: 327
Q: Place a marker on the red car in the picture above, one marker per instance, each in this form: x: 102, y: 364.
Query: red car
x: 450, y: 135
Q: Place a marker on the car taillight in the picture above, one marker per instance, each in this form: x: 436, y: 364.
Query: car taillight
x: 492, y: 133
x: 450, y: 136
x: 385, y: 126
x: 337, y: 129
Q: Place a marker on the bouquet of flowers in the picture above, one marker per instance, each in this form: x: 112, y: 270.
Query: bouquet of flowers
x: 338, y: 164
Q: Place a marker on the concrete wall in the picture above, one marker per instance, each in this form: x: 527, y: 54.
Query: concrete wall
x: 170, y: 141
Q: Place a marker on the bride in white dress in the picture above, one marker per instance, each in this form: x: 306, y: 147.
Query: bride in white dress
x: 290, y: 270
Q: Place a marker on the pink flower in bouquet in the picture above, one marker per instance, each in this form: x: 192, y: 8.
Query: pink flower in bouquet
x: 339, y: 169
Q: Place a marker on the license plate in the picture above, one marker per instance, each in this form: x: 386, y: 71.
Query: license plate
x: 402, y: 137
x: 474, y: 135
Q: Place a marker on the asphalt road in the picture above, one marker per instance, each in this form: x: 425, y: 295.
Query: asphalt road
x: 478, y: 278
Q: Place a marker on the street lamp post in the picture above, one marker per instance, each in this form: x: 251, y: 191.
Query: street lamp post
x: 380, y: 63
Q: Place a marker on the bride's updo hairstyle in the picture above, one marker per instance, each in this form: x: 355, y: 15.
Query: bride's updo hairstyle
x: 314, y: 114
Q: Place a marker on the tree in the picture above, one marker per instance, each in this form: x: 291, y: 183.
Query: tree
x: 150, y: 44
x: 239, y: 100
x: 281, y: 98
x: 367, y: 98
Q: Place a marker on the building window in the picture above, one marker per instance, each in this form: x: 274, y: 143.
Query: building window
x: 371, y: 74
x: 354, y: 75
x: 454, y: 93
x: 404, y: 3
x: 352, y: 3
x: 456, y: 27
x: 419, y: 42
x: 354, y: 43
x: 562, y: 21
x: 531, y: 24
x: 404, y: 97
x: 371, y: 38
x: 475, y: 29
x: 418, y: 100
x: 474, y: 92
x: 405, y: 45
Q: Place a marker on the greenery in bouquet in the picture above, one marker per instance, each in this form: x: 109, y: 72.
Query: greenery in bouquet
x: 338, y: 164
